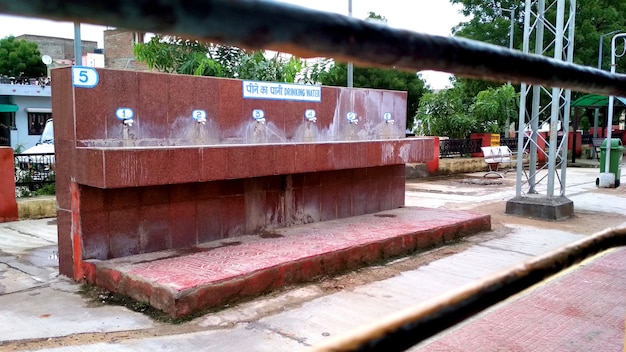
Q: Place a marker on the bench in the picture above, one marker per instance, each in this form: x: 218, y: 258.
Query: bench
x: 597, y: 143
x: 494, y: 156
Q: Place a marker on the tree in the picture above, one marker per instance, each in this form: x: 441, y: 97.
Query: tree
x: 593, y: 18
x: 184, y: 56
x: 490, y: 24
x: 20, y: 58
x: 495, y: 108
x: 444, y: 114
x: 450, y: 113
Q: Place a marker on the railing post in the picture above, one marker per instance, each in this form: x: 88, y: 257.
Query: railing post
x: 8, y: 202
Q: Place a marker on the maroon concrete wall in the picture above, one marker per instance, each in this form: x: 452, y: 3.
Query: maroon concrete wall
x: 175, y: 183
x: 8, y: 203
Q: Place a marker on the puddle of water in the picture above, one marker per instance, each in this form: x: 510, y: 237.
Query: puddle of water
x: 43, y: 257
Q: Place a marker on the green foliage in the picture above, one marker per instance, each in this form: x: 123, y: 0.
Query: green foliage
x: 171, y: 54
x: 39, y: 184
x: 20, y: 58
x: 191, y: 57
x: 444, y: 114
x: 493, y: 108
x: 593, y: 19
x: 374, y: 16
x: 19, y: 148
x: 490, y: 24
x: 584, y: 124
x: 454, y: 114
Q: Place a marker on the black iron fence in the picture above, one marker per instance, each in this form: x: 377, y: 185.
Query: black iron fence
x: 587, y: 139
x: 34, y: 171
x: 458, y: 147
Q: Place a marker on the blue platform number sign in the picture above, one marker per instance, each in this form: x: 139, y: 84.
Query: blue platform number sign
x: 124, y: 113
x: 199, y: 115
x: 258, y: 115
x: 84, y: 77
x: 310, y: 115
x: 351, y: 116
x: 387, y: 116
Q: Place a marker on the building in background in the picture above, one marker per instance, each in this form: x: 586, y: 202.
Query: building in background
x: 25, y: 106
x: 118, y: 44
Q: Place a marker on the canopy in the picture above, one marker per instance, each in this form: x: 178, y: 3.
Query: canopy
x: 596, y: 101
x: 8, y: 108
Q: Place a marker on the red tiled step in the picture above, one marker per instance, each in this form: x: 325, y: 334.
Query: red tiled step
x: 180, y: 282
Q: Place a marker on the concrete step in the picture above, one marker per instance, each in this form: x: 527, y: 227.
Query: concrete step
x: 184, y: 281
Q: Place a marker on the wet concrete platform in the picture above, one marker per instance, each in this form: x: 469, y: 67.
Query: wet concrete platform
x: 181, y: 282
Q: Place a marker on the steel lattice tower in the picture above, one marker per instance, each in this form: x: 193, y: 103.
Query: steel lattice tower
x: 550, y: 24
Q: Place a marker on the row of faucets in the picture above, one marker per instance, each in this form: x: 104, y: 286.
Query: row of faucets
x: 127, y: 114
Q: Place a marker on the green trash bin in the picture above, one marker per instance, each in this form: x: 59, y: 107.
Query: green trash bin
x: 615, y: 163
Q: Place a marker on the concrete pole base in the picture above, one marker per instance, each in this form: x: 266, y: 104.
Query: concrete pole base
x: 606, y: 180
x: 541, y: 207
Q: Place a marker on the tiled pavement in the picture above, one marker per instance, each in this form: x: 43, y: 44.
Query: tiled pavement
x: 582, y: 309
x: 180, y: 282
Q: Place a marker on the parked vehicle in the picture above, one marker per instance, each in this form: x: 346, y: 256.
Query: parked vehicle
x: 38, y: 161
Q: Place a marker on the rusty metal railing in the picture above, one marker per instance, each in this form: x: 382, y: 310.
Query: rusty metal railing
x: 409, y: 327
x: 308, y: 33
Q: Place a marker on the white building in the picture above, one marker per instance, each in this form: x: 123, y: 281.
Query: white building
x: 24, y: 110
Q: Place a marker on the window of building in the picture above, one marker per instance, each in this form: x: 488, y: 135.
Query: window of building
x: 7, y: 123
x: 37, y: 121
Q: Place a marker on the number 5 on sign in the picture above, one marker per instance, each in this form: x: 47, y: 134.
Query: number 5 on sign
x: 85, y: 77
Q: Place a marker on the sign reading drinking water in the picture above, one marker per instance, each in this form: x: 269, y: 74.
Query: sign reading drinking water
x: 281, y: 91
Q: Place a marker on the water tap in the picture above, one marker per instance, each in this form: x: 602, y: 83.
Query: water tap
x: 310, y: 115
x: 259, y: 116
x: 199, y: 116
x: 128, y: 122
x: 391, y: 122
x: 352, y: 118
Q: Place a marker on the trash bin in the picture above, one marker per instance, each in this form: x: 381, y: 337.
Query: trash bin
x: 615, y: 162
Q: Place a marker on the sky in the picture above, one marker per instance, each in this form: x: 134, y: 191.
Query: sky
x: 426, y: 16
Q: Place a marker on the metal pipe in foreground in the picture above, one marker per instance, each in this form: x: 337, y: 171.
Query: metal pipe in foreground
x: 308, y: 33
x: 404, y: 329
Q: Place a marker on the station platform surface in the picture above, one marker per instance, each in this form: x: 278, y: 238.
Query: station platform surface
x: 581, y: 309
x: 184, y: 281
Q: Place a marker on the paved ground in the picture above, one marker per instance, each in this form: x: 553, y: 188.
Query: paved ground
x: 583, y: 309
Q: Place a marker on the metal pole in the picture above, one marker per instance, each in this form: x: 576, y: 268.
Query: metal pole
x: 350, y: 68
x: 536, y: 102
x: 556, y: 99
x: 609, y: 124
x: 78, y: 52
x: 511, y: 30
x: 596, y: 112
x: 522, y: 106
x: 568, y: 98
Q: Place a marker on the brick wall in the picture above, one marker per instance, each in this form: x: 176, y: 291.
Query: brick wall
x: 118, y: 50
x: 58, y: 48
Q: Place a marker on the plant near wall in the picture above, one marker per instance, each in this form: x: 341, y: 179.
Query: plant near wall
x: 495, y: 108
x: 444, y: 114
x: 173, y: 54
